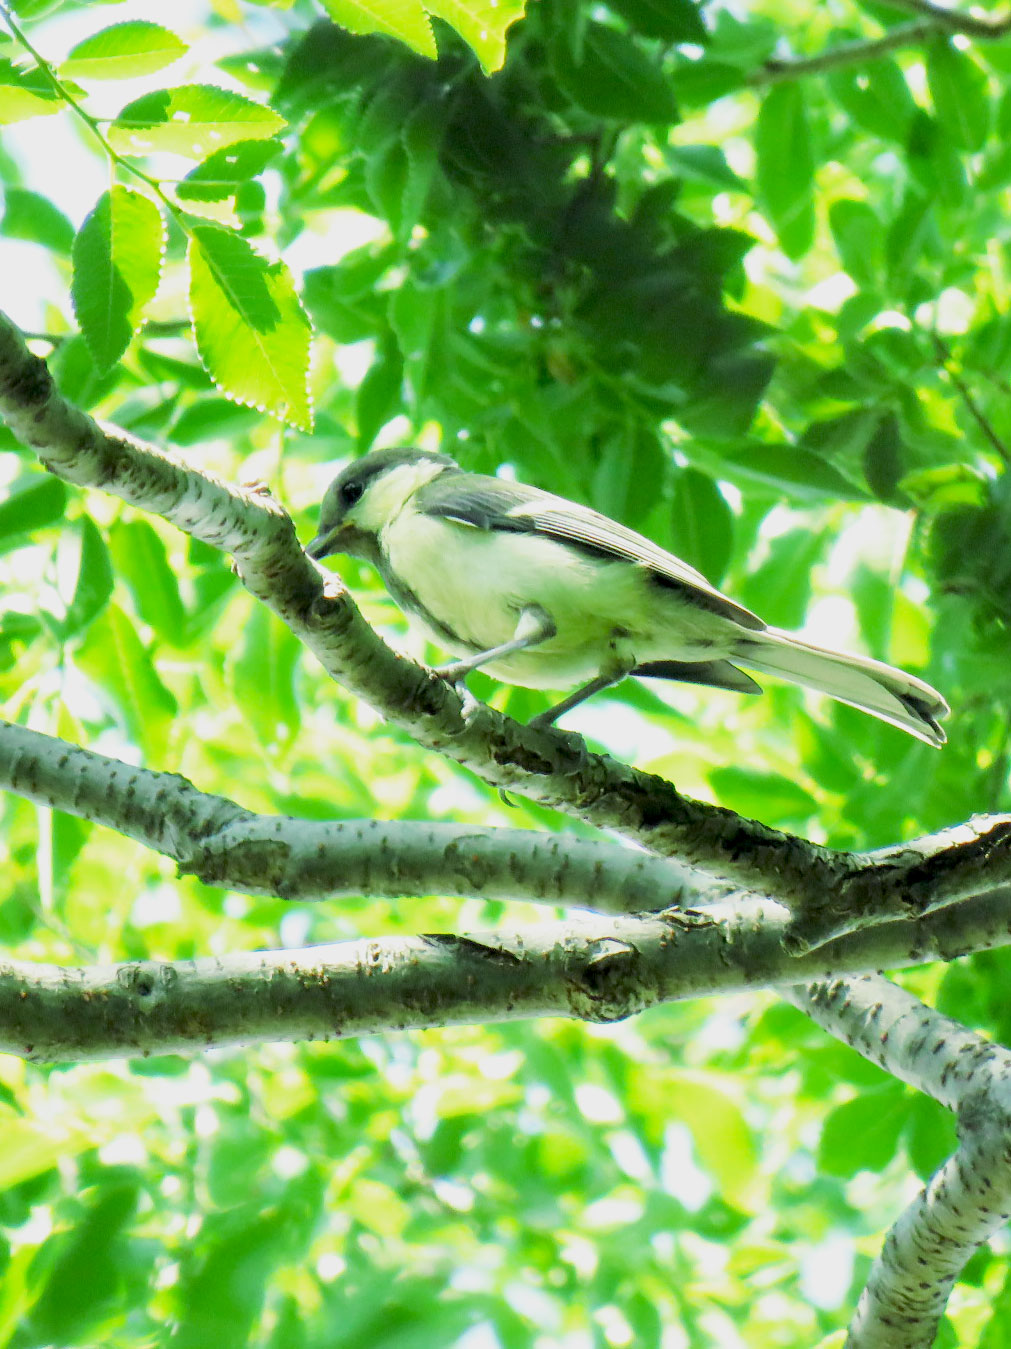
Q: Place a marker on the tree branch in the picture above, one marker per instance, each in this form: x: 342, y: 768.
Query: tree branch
x: 222, y: 844
x: 591, y: 968
x: 831, y: 892
x: 934, y: 19
x: 551, y: 766
x: 969, y: 1198
x: 861, y: 51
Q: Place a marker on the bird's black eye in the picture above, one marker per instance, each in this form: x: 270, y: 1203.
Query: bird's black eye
x: 351, y: 492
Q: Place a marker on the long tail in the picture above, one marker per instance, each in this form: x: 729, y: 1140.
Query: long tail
x: 880, y: 689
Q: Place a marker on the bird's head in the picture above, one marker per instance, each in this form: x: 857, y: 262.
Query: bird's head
x: 367, y: 495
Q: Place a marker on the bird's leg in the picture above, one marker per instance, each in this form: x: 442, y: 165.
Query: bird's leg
x: 577, y: 696
x: 621, y: 664
x: 535, y: 625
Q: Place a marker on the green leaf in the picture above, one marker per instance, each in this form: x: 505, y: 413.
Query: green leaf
x: 779, y: 589
x: 192, y: 120
x: 720, y: 1132
x: 114, y: 658
x: 123, y: 51
x: 863, y: 1134
x: 958, y: 88
x: 859, y: 239
x: 785, y: 166
x: 141, y: 560
x: 482, y: 24
x: 252, y: 333
x: 628, y: 479
x: 405, y: 20
x: 702, y: 523
x: 613, y: 77
x: 876, y: 96
x: 263, y: 677
x: 668, y: 20
x: 379, y: 395
x: 84, y: 573
x: 27, y: 215
x: 117, y: 267
x: 26, y: 93
x: 769, y: 797
x: 221, y: 174
x: 800, y: 473
x: 31, y: 502
x: 705, y: 164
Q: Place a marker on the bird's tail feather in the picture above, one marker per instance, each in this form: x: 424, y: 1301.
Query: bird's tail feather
x: 882, y: 690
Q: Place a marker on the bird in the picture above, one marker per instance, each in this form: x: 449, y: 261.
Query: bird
x: 539, y: 591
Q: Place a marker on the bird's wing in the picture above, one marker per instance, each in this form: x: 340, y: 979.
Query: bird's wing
x: 490, y: 503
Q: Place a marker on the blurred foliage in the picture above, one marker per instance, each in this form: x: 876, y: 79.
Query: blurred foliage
x: 765, y: 320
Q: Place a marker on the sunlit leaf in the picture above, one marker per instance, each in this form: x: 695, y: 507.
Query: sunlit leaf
x: 252, y: 332
x: 123, y: 51
x: 117, y: 268
x: 191, y: 119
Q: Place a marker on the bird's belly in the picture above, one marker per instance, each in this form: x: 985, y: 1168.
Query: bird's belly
x: 469, y: 587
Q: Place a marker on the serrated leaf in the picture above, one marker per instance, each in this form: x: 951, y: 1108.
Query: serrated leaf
x: 124, y: 51
x: 790, y: 468
x: 27, y: 215
x: 220, y: 174
x: 958, y: 88
x: 117, y: 258
x: 379, y: 395
x: 785, y: 167
x: 613, y: 77
x: 859, y: 238
x: 26, y: 93
x: 779, y: 589
x: 405, y: 20
x: 191, y: 119
x: 482, y: 24
x: 252, y: 332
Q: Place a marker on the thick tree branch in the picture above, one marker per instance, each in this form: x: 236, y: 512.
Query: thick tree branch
x: 969, y: 1198
x: 597, y: 969
x: 218, y: 841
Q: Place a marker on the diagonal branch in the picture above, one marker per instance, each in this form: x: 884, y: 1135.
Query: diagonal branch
x: 969, y: 1198
x: 551, y: 766
x: 934, y: 19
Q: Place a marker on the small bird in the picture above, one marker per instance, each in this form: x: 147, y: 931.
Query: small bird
x: 542, y: 592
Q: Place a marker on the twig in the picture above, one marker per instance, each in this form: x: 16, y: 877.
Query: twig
x: 943, y: 353
x: 935, y: 19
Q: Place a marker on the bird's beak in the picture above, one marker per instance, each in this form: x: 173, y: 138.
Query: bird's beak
x: 325, y: 543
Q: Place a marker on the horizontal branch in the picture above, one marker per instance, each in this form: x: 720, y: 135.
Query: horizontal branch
x: 595, y: 969
x: 218, y: 841
x: 222, y: 844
